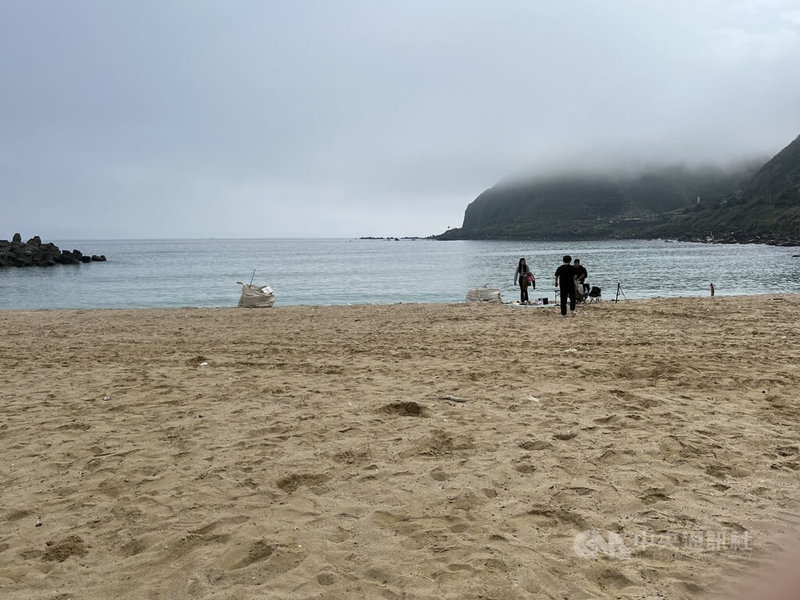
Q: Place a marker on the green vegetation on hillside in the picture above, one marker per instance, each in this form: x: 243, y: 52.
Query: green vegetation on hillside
x: 746, y: 204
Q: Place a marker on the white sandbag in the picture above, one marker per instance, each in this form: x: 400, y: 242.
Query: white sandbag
x: 484, y: 294
x: 254, y: 296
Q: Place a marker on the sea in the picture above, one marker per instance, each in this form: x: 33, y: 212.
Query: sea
x: 319, y: 272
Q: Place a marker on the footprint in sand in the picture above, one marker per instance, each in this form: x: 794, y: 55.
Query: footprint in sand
x: 292, y: 482
x: 654, y: 495
x: 439, y: 443
x: 260, y: 550
x: 271, y: 558
x: 61, y: 550
x: 524, y: 467
x: 535, y: 445
x: 548, y: 516
x: 439, y: 474
x: 352, y: 456
x: 214, y: 525
x: 466, y: 501
x: 608, y: 420
x: 406, y: 409
x: 611, y: 579
x: 786, y: 450
x: 133, y: 547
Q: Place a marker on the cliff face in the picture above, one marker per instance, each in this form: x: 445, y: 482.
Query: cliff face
x: 766, y: 210
x: 756, y: 202
x: 780, y: 177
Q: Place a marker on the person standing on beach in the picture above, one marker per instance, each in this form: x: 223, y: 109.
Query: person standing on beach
x: 581, y: 287
x: 526, y: 278
x: 565, y: 281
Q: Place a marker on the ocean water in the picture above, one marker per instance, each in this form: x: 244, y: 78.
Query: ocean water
x: 203, y: 273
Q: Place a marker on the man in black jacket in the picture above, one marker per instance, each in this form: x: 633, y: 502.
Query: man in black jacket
x: 565, y: 281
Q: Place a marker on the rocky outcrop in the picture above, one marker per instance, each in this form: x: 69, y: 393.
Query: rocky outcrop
x: 34, y: 253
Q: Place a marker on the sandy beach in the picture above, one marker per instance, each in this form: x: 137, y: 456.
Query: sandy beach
x: 641, y: 450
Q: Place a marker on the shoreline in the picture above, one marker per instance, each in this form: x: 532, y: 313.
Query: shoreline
x: 763, y: 240
x: 407, y: 450
x: 511, y: 304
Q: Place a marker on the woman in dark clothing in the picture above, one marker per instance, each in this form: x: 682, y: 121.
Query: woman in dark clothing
x: 526, y: 278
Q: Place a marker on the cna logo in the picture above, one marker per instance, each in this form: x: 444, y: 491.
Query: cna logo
x: 592, y: 544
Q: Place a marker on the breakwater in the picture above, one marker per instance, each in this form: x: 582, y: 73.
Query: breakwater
x: 35, y: 253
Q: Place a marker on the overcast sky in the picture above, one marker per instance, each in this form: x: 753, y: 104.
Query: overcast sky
x: 346, y: 118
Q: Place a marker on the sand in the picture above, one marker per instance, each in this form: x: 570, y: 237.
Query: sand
x: 646, y: 449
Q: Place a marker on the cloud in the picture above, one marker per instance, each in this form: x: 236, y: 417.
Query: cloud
x: 318, y: 118
x: 793, y: 16
x: 736, y: 45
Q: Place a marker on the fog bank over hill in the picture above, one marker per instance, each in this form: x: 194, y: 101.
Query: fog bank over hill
x: 748, y: 200
x: 613, y: 169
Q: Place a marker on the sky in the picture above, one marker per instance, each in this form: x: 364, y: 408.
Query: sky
x: 126, y: 119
